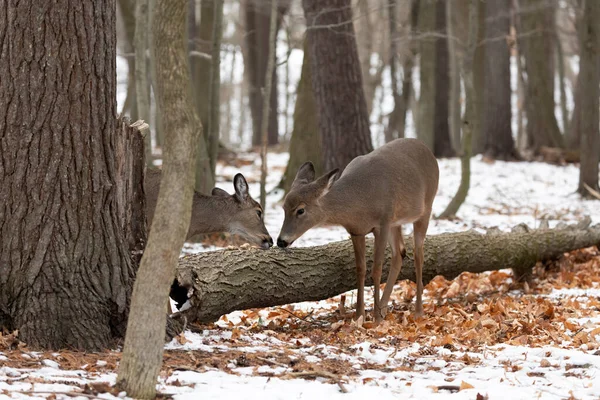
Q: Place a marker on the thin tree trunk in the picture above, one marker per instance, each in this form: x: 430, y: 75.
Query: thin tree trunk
x: 305, y: 143
x: 266, y: 101
x: 215, y: 89
x: 590, y: 93
x: 321, y: 272
x: 499, y: 143
x: 536, y: 43
x: 144, y: 342
x: 442, y: 146
x: 560, y: 62
x: 141, y: 72
x: 427, y: 46
x: 157, y: 125
x: 407, y: 70
x: 337, y: 82
x: 478, y: 136
x: 574, y: 136
x: 391, y: 131
x: 470, y: 114
x: 69, y: 204
x: 454, y: 14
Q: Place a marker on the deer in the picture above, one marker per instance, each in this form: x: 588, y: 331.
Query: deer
x: 376, y: 193
x: 221, y: 212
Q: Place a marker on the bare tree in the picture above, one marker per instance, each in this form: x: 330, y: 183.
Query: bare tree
x: 144, y: 341
x: 265, y: 106
x: 442, y: 146
x: 470, y: 114
x: 589, y: 119
x: 213, y: 132
x: 337, y: 82
x: 65, y: 228
x: 497, y: 130
x: 537, y: 45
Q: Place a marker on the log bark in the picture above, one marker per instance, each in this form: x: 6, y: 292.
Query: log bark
x: 254, y: 278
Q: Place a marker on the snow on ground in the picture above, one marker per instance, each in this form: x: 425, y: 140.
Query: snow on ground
x: 483, y: 336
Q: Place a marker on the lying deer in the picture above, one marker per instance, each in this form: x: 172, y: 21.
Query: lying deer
x: 377, y: 192
x: 221, y: 212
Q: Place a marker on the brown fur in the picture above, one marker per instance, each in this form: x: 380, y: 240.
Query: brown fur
x: 221, y: 212
x: 377, y: 192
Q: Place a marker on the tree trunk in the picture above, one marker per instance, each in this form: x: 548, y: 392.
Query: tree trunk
x: 397, y: 120
x: 574, y: 136
x: 214, y: 123
x: 471, y: 113
x: 442, y: 146
x: 264, y: 139
x: 255, y: 61
x: 427, y: 49
x: 589, y: 116
x: 457, y: 14
x: 537, y: 45
x: 478, y: 136
x: 253, y: 278
x: 201, y: 41
x: 337, y: 82
x: 70, y: 203
x: 497, y: 130
x: 157, y: 123
x: 141, y: 71
x: 305, y: 144
x: 391, y: 131
x: 144, y: 342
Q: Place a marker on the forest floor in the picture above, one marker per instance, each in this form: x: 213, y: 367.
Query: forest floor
x: 482, y: 336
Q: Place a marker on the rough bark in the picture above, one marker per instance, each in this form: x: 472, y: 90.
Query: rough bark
x: 471, y: 114
x: 442, y: 146
x: 536, y: 43
x: 337, y: 82
x: 255, y: 65
x: 305, y: 143
x: 590, y: 93
x: 143, y: 348
x: 254, y: 278
x: 66, y: 270
x: 499, y: 143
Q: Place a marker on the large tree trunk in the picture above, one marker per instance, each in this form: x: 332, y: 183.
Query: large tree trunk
x: 497, y: 130
x: 254, y: 278
x: 442, y: 146
x: 588, y: 117
x: 537, y: 45
x: 305, y: 144
x: 337, y: 82
x: 144, y: 342
x: 255, y: 61
x: 69, y: 204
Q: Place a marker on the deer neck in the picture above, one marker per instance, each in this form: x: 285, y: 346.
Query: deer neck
x: 209, y: 215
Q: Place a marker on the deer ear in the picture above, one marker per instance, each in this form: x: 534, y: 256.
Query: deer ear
x: 326, y: 181
x: 241, y: 187
x: 305, y: 174
x: 219, y: 192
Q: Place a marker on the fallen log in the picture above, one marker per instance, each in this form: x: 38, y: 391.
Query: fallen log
x: 223, y: 281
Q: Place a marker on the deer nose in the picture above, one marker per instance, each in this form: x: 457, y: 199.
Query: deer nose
x: 282, y: 243
x: 267, y: 243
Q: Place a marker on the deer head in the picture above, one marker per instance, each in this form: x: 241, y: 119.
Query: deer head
x: 302, y: 207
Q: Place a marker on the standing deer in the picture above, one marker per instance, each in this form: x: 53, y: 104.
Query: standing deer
x: 377, y: 192
x: 221, y: 212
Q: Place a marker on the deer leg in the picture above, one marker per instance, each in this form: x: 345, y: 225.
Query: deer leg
x: 420, y: 229
x: 381, y: 237
x: 358, y: 242
x: 398, y: 251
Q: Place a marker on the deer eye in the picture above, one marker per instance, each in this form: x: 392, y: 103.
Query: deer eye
x: 300, y: 211
x: 259, y: 213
